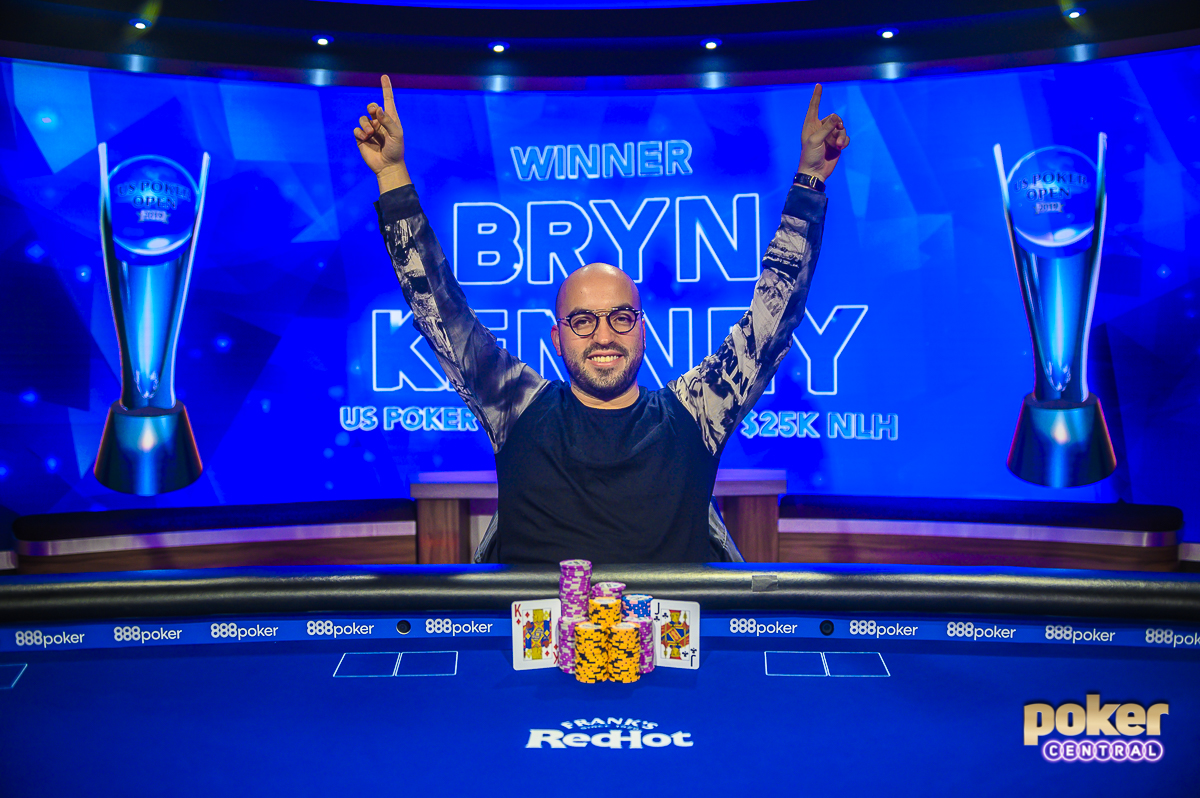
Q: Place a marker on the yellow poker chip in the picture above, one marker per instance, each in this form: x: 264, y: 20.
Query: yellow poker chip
x: 607, y: 648
x: 604, y: 610
x: 624, y: 656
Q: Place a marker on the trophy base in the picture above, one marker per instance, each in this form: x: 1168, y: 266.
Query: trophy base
x: 1061, y: 444
x: 148, y: 451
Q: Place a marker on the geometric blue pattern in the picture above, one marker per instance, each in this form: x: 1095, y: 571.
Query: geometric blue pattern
x: 55, y: 104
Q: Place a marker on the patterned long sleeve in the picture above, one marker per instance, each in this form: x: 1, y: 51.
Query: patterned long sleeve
x: 495, y: 385
x: 724, y: 386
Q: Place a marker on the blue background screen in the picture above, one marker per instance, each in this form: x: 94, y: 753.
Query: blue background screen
x: 295, y: 325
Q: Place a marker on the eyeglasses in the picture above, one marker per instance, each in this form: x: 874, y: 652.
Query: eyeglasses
x: 584, y: 322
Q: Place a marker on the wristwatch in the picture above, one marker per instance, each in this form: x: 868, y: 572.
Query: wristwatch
x: 815, y: 183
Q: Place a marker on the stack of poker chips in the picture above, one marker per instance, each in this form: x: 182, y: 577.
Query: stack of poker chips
x: 591, y: 661
x: 613, y: 589
x: 622, y: 642
x: 574, y: 588
x: 602, y: 634
x: 566, y: 644
x: 636, y: 605
x: 624, y: 653
x: 646, y: 635
x: 591, y: 652
x: 574, y: 591
x: 637, y: 611
x: 605, y: 611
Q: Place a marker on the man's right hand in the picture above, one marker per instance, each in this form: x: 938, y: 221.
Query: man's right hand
x: 381, y: 141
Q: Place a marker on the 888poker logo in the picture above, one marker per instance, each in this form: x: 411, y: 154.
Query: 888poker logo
x: 1097, y: 732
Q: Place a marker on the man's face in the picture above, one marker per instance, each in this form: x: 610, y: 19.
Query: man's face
x: 604, y: 364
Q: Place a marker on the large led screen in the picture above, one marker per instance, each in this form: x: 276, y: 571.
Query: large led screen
x: 304, y: 378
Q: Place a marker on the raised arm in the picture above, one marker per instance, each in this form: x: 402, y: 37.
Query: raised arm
x: 724, y: 386
x: 495, y: 385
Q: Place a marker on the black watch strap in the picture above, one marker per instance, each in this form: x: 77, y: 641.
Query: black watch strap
x: 815, y: 183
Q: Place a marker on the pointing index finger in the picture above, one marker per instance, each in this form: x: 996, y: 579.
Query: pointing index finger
x: 389, y: 102
x: 812, y: 105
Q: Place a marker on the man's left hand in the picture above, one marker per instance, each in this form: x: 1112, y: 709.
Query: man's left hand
x: 824, y: 140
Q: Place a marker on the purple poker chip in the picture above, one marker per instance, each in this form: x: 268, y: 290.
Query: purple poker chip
x: 566, y: 643
x: 576, y: 566
x: 612, y: 589
x: 646, y: 635
x: 574, y: 587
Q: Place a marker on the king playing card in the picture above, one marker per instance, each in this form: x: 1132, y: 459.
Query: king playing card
x: 676, y: 633
x: 534, y: 625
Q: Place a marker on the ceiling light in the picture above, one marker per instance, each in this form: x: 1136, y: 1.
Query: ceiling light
x: 1075, y: 13
x: 323, y: 40
x: 140, y: 24
x: 887, y: 33
x: 711, y: 44
x: 498, y: 47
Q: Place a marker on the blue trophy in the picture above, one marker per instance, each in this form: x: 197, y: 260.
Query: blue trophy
x: 150, y: 210
x: 1055, y: 202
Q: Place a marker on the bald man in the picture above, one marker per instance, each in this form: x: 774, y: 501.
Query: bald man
x: 598, y: 467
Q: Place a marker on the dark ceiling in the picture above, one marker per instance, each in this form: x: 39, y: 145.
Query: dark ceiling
x: 812, y: 34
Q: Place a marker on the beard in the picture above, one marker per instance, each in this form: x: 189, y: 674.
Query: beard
x: 607, y: 384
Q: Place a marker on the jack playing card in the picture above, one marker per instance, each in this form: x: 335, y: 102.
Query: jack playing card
x: 534, y: 633
x: 676, y: 634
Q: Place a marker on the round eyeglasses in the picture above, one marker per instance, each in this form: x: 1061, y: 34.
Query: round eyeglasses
x: 584, y: 322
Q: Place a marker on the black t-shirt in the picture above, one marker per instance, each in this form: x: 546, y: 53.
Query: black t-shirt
x: 611, y: 486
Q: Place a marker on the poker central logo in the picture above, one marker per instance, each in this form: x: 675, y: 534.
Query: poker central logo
x: 607, y: 733
x: 1095, y: 723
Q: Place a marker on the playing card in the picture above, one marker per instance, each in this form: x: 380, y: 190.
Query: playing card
x: 534, y: 633
x: 676, y: 633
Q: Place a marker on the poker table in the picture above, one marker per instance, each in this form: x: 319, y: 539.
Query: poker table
x: 839, y: 681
